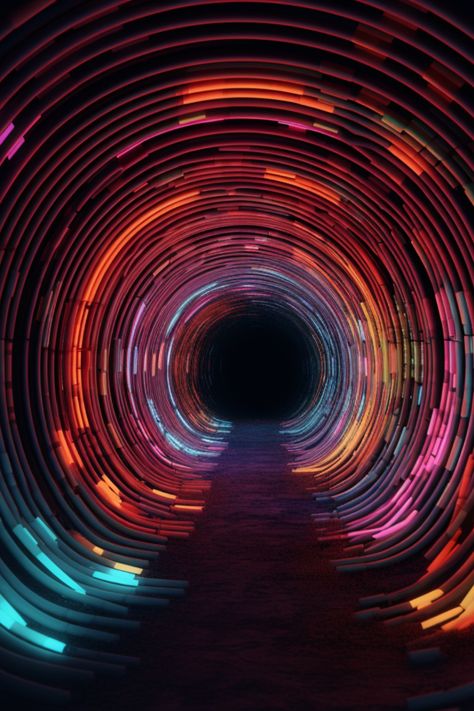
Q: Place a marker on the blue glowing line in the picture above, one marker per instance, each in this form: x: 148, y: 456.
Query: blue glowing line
x: 8, y: 614
x: 186, y: 302
x: 60, y: 574
x: 46, y: 529
x: 12, y: 620
x: 116, y: 576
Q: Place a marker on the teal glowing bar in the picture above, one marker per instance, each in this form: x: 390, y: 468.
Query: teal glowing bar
x: 60, y: 574
x: 116, y: 576
x: 42, y: 640
x: 12, y: 620
x: 26, y: 538
x: 8, y: 614
x: 46, y: 529
x: 32, y: 545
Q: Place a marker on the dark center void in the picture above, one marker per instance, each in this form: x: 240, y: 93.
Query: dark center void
x: 258, y: 364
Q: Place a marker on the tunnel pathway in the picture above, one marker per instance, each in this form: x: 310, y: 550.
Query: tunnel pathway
x: 267, y: 624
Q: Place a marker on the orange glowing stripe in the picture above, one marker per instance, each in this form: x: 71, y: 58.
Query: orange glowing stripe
x: 373, y: 327
x: 128, y: 568
x: 303, y: 257
x: 114, y: 434
x: 280, y: 173
x: 443, y: 617
x: 79, y: 409
x: 76, y: 370
x: 281, y: 176
x: 268, y: 95
x: 444, y: 554
x: 323, y: 126
x: 95, y: 549
x: 230, y: 84
x: 320, y: 190
x: 164, y: 494
x: 418, y: 603
x: 69, y: 452
x: 468, y: 601
x: 406, y: 159
x: 109, y: 491
x: 462, y: 622
x: 242, y: 89
x: 466, y: 619
x: 160, y: 356
x: 75, y: 351
x: 79, y: 377
x: 313, y: 234
x: 82, y: 324
x: 188, y: 119
x: 317, y: 104
x: 129, y: 233
x: 103, y: 384
x: 206, y: 96
x: 466, y: 484
x: 111, y: 484
x: 184, y: 507
x: 74, y: 357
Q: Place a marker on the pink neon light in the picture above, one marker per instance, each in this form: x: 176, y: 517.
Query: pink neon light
x: 18, y: 143
x: 6, y: 132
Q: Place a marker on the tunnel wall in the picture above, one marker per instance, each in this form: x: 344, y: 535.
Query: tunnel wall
x: 162, y: 165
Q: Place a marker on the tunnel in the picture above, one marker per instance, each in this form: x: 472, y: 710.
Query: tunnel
x: 236, y: 355
x: 257, y: 365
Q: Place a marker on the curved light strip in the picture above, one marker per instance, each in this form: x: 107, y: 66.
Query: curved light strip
x: 162, y: 167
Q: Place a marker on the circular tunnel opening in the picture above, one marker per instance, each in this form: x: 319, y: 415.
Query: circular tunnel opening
x: 257, y: 364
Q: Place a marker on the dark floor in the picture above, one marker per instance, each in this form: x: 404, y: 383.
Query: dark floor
x: 267, y: 624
